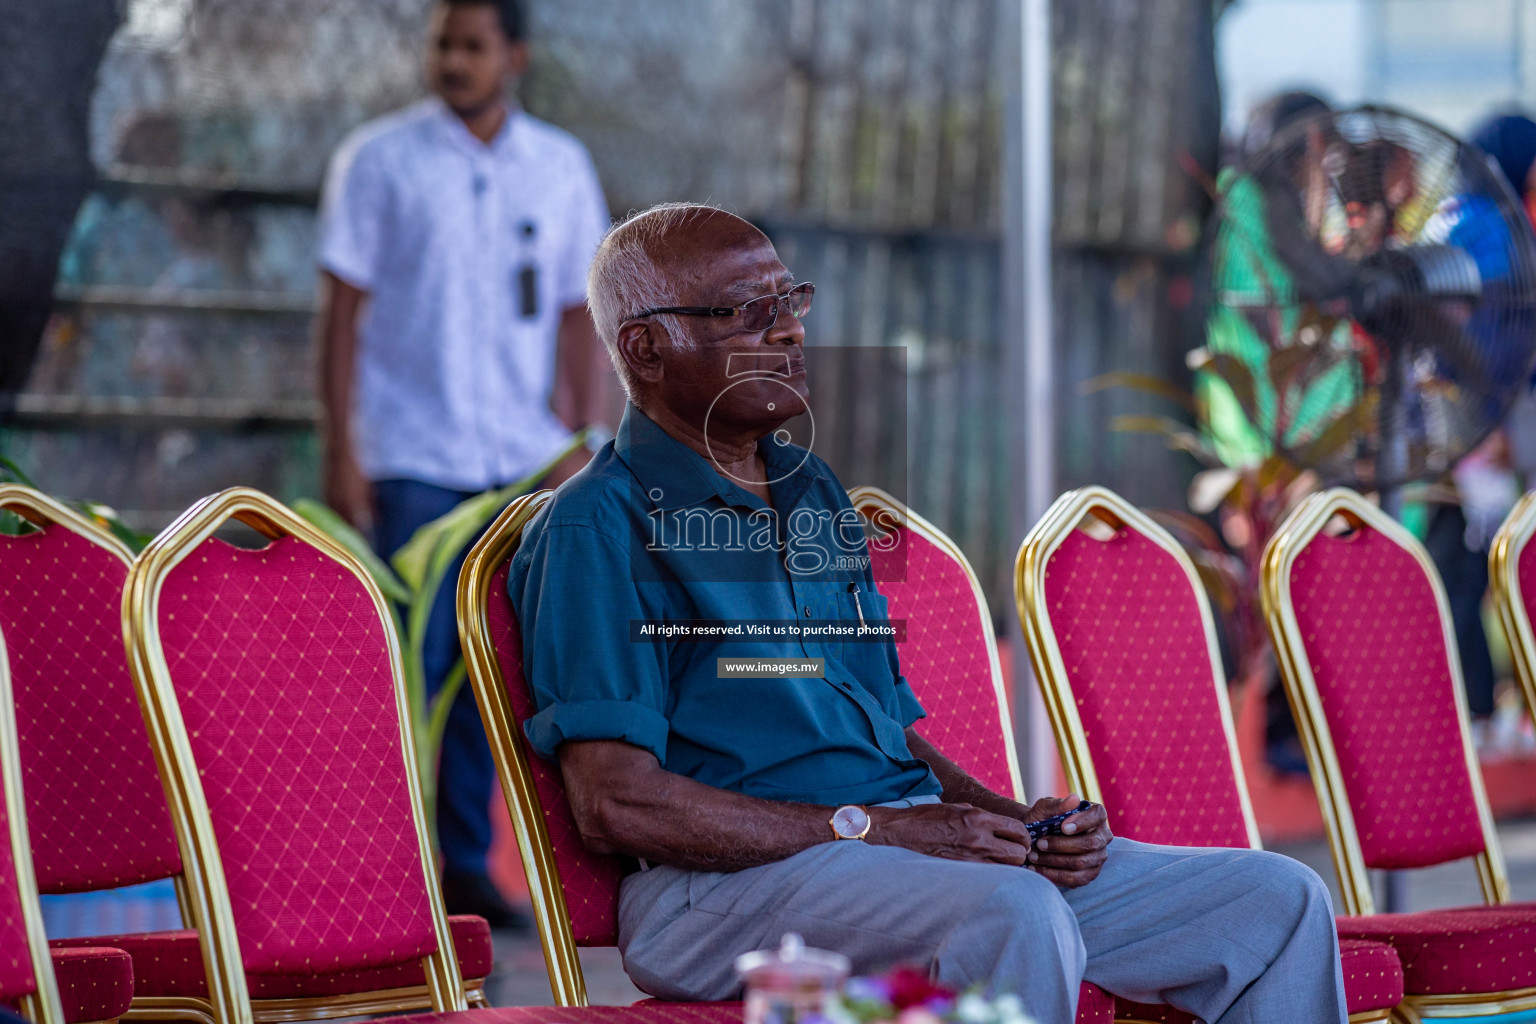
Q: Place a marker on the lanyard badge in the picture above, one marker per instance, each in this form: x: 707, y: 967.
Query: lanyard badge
x: 526, y: 278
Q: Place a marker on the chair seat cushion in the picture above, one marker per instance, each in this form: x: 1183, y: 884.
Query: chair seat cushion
x: 171, y: 964
x: 95, y: 983
x: 1094, y: 1005
x: 1459, y: 951
x: 1373, y: 980
x: 1373, y: 975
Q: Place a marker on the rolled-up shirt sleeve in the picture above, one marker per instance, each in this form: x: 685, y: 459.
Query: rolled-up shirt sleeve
x: 575, y: 597
x: 908, y: 709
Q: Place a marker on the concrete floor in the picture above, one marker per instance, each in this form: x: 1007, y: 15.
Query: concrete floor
x: 520, y: 978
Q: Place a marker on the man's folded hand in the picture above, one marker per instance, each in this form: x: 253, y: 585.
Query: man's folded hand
x: 955, y: 831
x: 1074, y: 857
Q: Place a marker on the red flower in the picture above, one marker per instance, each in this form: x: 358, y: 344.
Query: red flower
x: 911, y: 987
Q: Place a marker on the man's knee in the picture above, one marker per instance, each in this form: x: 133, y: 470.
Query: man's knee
x: 1023, y: 926
x: 1290, y: 883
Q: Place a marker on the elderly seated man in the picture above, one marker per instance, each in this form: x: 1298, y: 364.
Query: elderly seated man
x: 758, y: 806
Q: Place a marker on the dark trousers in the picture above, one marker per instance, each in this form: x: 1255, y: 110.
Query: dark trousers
x: 1465, y: 574
x: 466, y: 774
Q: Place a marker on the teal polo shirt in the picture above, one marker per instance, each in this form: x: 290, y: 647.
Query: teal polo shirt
x: 650, y: 532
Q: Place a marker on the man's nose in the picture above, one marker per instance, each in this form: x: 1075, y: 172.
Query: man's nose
x: 787, y: 328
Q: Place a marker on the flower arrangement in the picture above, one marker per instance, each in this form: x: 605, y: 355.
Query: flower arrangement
x: 907, y: 996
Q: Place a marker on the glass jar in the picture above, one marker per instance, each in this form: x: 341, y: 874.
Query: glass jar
x: 790, y: 984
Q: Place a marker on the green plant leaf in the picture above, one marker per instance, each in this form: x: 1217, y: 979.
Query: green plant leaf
x: 1284, y: 365
x: 1338, y: 434
x: 1178, y: 436
x: 1141, y: 382
x: 423, y: 559
x: 107, y: 517
x: 323, y: 518
x: 13, y: 525
x: 15, y: 472
x: 1236, y: 375
x: 442, y: 703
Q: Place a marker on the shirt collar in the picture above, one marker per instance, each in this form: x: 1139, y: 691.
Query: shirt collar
x: 506, y: 142
x: 674, y: 476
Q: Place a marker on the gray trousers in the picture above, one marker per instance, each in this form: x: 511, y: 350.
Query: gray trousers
x: 1230, y: 936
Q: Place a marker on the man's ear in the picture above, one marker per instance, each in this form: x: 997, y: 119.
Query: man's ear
x: 638, y: 347
x: 518, y: 59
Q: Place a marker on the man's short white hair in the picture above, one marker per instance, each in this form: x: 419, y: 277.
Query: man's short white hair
x: 624, y: 278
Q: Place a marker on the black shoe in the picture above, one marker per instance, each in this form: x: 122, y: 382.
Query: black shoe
x: 465, y: 892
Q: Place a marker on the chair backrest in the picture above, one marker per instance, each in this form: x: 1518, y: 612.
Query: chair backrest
x: 1124, y: 648
x: 575, y: 893
x: 26, y: 969
x: 61, y: 595
x: 273, y: 684
x: 1364, y: 639
x: 949, y: 655
x: 1512, y: 572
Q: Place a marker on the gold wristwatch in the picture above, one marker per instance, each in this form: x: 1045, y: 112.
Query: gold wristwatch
x: 850, y: 821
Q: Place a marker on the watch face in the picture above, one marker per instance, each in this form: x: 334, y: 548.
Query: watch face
x: 850, y: 822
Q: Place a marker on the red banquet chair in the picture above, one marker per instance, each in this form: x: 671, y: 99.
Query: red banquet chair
x: 575, y: 892
x: 270, y: 681
x: 1512, y: 574
x: 62, y: 986
x: 61, y: 607
x: 1363, y: 635
x: 1124, y: 648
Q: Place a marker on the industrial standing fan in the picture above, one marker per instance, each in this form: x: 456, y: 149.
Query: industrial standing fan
x: 1372, y: 297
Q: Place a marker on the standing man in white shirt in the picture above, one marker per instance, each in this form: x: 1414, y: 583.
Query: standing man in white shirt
x: 457, y: 352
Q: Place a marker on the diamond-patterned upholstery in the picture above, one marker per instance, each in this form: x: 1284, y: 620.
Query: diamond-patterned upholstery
x: 591, y: 881
x: 1525, y: 569
x: 78, y: 719
x: 95, y: 983
x: 1460, y: 951
x: 1373, y: 636
x: 1133, y: 644
x: 1373, y: 980
x: 946, y: 656
x: 171, y: 964
x: 281, y: 667
x: 17, y: 977
x: 1094, y: 1005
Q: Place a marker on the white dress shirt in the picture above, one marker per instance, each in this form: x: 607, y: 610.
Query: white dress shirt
x: 451, y: 237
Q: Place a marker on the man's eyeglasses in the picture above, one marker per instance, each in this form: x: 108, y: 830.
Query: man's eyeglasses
x: 756, y: 315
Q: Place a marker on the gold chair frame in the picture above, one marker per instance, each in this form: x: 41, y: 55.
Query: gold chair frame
x: 208, y: 904
x: 42, y: 1006
x: 1304, y: 523
x: 882, y: 507
x: 1504, y: 573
